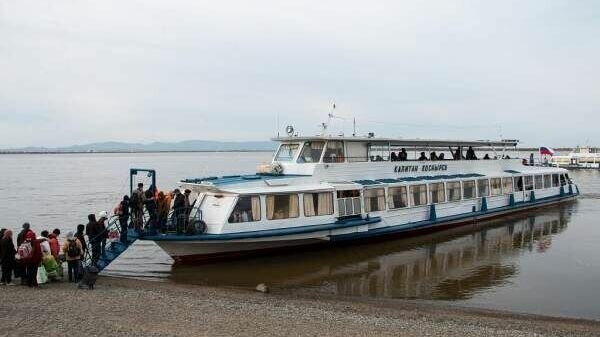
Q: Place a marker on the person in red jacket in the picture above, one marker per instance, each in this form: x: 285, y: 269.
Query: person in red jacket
x: 31, y: 264
x: 54, y: 244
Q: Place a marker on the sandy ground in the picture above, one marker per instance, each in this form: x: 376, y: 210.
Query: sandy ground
x: 124, y: 307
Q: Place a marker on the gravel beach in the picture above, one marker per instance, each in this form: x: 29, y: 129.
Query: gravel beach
x: 125, y: 307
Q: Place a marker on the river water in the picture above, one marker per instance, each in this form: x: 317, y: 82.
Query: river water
x: 545, y: 262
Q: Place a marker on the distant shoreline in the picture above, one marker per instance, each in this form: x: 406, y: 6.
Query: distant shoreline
x: 131, y: 152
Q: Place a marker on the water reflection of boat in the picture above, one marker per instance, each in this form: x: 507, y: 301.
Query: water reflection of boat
x: 452, y: 264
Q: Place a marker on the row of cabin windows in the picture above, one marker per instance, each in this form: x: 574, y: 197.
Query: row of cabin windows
x: 281, y: 206
x: 285, y: 206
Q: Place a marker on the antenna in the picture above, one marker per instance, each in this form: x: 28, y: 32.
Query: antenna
x: 354, y: 126
x: 277, y: 123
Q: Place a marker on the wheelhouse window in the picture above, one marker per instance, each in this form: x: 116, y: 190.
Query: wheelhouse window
x: 496, y: 186
x: 282, y: 206
x: 334, y: 152
x: 555, y: 182
x: 316, y: 204
x: 539, y: 182
x: 311, y: 152
x: 453, y: 188
x: 286, y: 152
x: 418, y: 195
x: 398, y: 197
x: 547, y: 181
x: 437, y: 193
x: 507, y: 185
x: 468, y: 189
x: 374, y: 199
x: 528, y: 183
x: 247, y: 209
x: 518, y: 184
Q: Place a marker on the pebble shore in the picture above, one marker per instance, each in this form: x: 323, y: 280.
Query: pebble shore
x: 125, y: 307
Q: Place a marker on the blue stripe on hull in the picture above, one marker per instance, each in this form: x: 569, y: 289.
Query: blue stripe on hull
x: 460, y: 218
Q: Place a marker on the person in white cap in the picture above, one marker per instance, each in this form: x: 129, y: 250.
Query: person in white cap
x: 102, y: 227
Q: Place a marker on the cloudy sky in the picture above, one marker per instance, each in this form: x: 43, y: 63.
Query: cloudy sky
x: 74, y: 72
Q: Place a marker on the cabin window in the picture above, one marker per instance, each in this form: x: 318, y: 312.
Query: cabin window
x: 247, y: 209
x: 563, y: 181
x: 483, y: 188
x: 469, y: 189
x: 547, y: 181
x: 348, y: 202
x: 318, y: 204
x: 286, y: 152
x: 334, y: 152
x: 379, y: 152
x: 437, y: 193
x: 282, y: 206
x: 453, y: 190
x: 398, y: 197
x: 507, y: 185
x: 357, y: 152
x: 418, y: 195
x: 518, y: 184
x: 374, y: 200
x: 528, y: 183
x: 539, y: 182
x: 568, y: 178
x: 555, y: 182
x: 496, y: 186
x: 311, y: 152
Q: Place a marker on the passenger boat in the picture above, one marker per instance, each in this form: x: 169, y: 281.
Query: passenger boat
x: 322, y: 190
x: 580, y: 157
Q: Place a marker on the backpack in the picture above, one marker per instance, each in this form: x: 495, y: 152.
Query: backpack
x: 25, y: 251
x: 72, y: 249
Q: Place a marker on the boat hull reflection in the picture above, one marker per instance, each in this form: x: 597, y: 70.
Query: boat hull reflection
x: 450, y: 264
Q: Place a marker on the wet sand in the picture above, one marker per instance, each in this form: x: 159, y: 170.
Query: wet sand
x: 126, y: 307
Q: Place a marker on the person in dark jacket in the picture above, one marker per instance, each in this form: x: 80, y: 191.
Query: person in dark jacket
x: 7, y: 255
x: 179, y: 210
x: 80, y: 235
x: 150, y: 204
x: 103, y: 216
x: 20, y: 267
x: 123, y: 214
x: 93, y: 232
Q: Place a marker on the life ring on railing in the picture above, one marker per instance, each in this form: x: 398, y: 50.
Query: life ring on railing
x: 276, y: 168
x: 196, y: 227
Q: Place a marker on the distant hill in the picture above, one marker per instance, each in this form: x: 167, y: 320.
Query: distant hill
x: 184, y: 146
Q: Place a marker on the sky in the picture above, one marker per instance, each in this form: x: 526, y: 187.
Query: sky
x: 76, y: 72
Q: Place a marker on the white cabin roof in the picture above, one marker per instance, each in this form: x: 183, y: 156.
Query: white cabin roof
x: 404, y: 142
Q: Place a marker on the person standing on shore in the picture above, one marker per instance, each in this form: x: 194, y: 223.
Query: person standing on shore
x: 80, y: 235
x: 20, y: 267
x: 54, y: 244
x: 7, y: 255
x: 32, y: 262
x: 73, y: 250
